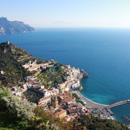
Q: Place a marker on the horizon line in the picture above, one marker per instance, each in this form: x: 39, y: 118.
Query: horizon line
x: 83, y: 27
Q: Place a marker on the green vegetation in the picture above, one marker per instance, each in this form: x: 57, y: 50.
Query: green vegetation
x: 32, y: 96
x: 91, y: 123
x: 13, y: 70
x: 8, y: 123
x: 52, y: 76
x: 14, y: 113
x: 77, y: 98
x: 11, y: 60
x: 49, y: 122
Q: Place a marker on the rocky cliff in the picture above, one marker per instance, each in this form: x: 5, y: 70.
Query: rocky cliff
x: 84, y: 73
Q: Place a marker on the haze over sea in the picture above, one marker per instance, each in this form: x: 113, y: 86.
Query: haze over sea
x: 103, y: 53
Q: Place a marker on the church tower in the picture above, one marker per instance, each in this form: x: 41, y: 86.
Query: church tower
x: 7, y: 42
x: 54, y: 102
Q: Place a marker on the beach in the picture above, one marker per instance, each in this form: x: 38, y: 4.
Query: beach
x: 89, y: 103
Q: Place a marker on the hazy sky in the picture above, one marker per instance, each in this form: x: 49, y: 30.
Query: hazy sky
x: 68, y: 13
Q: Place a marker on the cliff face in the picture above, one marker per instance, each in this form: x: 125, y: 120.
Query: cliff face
x: 13, y: 27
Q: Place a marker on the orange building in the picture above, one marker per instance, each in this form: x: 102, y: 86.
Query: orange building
x: 60, y: 113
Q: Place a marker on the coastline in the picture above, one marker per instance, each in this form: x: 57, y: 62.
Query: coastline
x: 90, y: 104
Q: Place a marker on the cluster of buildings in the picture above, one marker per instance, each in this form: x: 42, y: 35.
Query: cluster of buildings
x: 72, y: 80
x: 63, y: 106
x: 33, y: 66
x: 72, y: 73
x: 60, y: 100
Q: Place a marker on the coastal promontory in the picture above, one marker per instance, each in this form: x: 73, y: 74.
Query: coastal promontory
x: 13, y: 27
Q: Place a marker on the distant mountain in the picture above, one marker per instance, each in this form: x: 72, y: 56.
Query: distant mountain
x: 13, y: 27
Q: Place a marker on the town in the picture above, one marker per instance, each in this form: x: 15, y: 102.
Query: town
x: 63, y: 99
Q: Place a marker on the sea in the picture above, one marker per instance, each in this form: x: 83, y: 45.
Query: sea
x: 104, y: 53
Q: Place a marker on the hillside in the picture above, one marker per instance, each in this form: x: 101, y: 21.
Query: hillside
x: 13, y: 27
x: 11, y: 60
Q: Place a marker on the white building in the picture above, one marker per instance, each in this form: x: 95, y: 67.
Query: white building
x: 2, y: 72
x: 48, y: 93
x: 76, y: 85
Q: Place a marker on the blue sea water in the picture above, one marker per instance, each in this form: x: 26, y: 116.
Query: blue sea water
x: 103, y: 53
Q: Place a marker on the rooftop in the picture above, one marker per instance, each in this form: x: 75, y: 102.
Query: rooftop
x: 59, y: 112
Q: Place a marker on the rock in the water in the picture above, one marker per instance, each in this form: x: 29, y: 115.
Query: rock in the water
x: 85, y: 74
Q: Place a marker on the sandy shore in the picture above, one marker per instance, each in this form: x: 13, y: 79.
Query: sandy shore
x: 89, y: 103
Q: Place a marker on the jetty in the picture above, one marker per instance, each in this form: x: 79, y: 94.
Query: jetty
x: 127, y: 118
x: 119, y: 103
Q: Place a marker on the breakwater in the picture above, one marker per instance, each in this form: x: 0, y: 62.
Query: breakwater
x: 119, y: 103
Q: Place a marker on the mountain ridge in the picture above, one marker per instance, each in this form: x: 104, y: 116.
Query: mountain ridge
x: 13, y: 27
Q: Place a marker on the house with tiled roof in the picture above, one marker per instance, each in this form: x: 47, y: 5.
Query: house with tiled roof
x: 60, y: 113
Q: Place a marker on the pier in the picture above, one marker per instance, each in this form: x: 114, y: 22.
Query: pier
x: 127, y: 118
x: 119, y: 103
